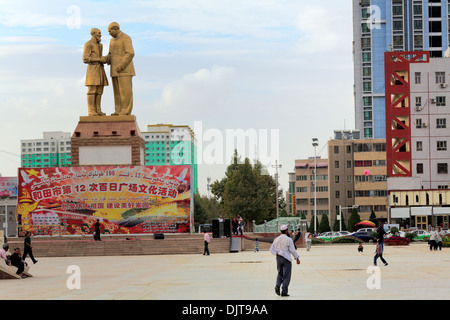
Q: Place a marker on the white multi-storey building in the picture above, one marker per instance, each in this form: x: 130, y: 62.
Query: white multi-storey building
x: 53, y: 150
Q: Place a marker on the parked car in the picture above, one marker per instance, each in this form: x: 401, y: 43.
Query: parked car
x: 328, y: 236
x: 363, y: 235
x: 368, y: 229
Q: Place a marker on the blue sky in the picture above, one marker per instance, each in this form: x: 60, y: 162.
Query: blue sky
x: 253, y: 64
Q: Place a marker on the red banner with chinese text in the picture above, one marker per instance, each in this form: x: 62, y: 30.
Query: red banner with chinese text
x: 126, y: 200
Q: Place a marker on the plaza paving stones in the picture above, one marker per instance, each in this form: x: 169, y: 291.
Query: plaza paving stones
x: 326, y: 272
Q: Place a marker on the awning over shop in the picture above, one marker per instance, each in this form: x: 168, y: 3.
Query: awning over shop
x: 397, y: 213
x: 421, y: 211
x: 441, y: 211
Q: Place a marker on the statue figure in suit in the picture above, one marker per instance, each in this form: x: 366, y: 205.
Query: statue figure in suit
x: 120, y: 58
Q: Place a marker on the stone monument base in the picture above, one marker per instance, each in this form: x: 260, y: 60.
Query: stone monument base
x: 107, y: 140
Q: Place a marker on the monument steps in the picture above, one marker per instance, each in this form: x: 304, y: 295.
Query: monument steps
x: 57, y: 246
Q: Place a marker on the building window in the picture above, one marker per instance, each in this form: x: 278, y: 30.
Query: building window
x: 440, y: 77
x: 366, y: 56
x: 418, y: 101
x: 440, y: 101
x: 365, y: 42
x: 367, y: 71
x: 417, y: 9
x: 442, y: 146
x: 418, y: 24
x: 397, y: 25
x: 336, y: 164
x: 441, y: 123
x: 367, y: 101
x: 419, y: 146
x: 397, y: 10
x: 442, y: 168
x: 398, y: 41
x: 417, y: 77
x: 418, y: 123
x: 418, y: 40
x: 368, y: 115
x: 336, y: 149
x: 337, y: 194
x: 336, y: 179
x: 365, y: 28
x: 367, y: 86
x: 367, y: 132
x: 419, y: 168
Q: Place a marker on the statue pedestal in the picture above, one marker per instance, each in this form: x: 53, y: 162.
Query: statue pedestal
x: 107, y: 140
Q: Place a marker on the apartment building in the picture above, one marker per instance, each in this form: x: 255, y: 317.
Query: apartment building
x: 167, y: 144
x: 417, y: 116
x: 53, y: 150
x: 396, y: 25
x: 357, y: 169
x: 311, y: 187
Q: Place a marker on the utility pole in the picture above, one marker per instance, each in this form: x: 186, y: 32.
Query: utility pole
x: 208, y: 185
x: 315, y: 143
x: 276, y: 166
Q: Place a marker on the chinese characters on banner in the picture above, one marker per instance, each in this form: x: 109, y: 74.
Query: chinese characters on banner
x: 126, y: 200
x: 8, y: 187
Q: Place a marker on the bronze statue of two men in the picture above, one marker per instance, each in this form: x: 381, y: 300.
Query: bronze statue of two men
x: 120, y: 59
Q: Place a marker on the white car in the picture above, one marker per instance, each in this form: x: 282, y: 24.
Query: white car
x: 328, y: 236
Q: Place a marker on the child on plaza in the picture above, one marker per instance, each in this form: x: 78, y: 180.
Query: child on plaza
x: 360, y: 248
x: 256, y: 245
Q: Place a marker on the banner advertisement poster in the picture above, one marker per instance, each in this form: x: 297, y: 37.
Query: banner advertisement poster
x: 8, y: 187
x: 125, y: 200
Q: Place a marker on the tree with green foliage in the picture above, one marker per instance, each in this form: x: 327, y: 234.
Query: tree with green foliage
x: 311, y: 224
x: 337, y: 224
x: 354, y: 219
x: 324, y: 224
x: 200, y: 215
x: 247, y: 191
x: 373, y: 218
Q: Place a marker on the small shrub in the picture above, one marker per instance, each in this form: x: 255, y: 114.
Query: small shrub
x: 347, y: 239
x: 396, y: 241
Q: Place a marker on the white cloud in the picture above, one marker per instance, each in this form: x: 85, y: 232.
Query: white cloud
x: 198, y: 92
x: 323, y: 28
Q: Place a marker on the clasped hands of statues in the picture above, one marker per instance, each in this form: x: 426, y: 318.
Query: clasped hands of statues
x: 107, y: 60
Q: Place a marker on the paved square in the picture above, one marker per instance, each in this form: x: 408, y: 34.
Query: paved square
x: 326, y: 272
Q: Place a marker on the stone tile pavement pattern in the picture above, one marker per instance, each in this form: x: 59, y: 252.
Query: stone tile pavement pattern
x: 326, y: 272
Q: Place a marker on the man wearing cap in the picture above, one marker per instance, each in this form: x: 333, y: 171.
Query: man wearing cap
x: 283, y: 247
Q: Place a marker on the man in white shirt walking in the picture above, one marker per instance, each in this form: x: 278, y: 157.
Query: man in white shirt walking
x: 282, y: 247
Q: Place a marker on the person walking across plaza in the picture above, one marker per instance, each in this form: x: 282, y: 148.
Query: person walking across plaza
x: 308, y: 240
x: 28, y: 248
x: 379, y: 252
x: 97, y: 230
x: 439, y: 235
x: 432, y: 241
x: 297, y: 237
x: 207, y: 240
x: 283, y: 247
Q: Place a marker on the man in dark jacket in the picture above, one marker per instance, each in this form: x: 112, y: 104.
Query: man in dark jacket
x: 18, y: 262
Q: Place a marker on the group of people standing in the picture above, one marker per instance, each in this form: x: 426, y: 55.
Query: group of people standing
x: 435, y: 240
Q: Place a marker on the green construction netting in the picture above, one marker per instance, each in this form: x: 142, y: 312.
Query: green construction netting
x: 273, y: 226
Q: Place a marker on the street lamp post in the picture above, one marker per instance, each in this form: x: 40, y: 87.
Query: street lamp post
x: 340, y: 214
x: 315, y: 143
x: 276, y: 181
